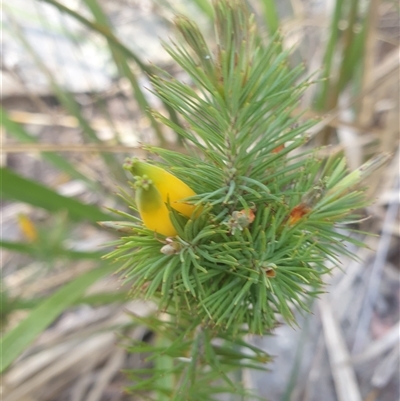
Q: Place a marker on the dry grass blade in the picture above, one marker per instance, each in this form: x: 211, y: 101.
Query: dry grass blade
x: 24, y: 117
x: 381, y: 73
x: 376, y: 273
x: 368, y: 102
x: 392, y: 133
x: 22, y: 282
x: 112, y: 366
x: 71, y: 352
x: 33, y: 364
x: 380, y: 346
x: 339, y: 357
x: 386, y: 369
x: 386, y: 68
x: 96, y: 347
x: 70, y: 361
x: 353, y: 269
x: 85, y: 380
x: 53, y: 147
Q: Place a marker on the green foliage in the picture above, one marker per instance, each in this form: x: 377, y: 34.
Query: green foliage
x: 19, y: 188
x: 46, y: 242
x: 17, y: 131
x: 239, y: 113
x: 37, y: 251
x: 228, y: 275
x: 344, y: 52
x: 18, y: 339
x: 121, y: 55
x: 268, y: 216
x: 271, y: 15
x: 192, y: 363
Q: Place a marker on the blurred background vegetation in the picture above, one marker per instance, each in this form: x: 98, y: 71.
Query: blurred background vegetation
x: 76, y: 100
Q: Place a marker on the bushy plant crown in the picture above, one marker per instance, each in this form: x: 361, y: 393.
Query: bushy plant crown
x: 254, y: 239
x: 266, y: 217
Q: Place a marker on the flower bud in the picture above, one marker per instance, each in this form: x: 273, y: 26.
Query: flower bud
x: 152, y: 209
x: 155, y: 188
x: 244, y: 217
x: 171, y: 188
x: 172, y: 248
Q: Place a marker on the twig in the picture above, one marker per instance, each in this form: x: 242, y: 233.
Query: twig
x: 385, y: 370
x: 380, y: 346
x: 376, y: 273
x: 381, y: 73
x: 96, y: 347
x: 85, y: 380
x: 367, y: 103
x: 342, y: 371
x: 112, y: 366
x: 81, y: 148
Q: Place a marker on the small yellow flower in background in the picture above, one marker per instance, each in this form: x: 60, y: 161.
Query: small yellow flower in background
x: 155, y: 187
x: 27, y: 228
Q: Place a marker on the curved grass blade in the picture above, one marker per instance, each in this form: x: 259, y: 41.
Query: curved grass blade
x: 14, y: 186
x: 18, y: 339
x: 117, y: 46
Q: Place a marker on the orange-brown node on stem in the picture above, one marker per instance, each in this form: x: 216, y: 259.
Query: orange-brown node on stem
x: 297, y: 213
x: 278, y: 148
x: 243, y: 217
x: 270, y: 273
x: 269, y: 269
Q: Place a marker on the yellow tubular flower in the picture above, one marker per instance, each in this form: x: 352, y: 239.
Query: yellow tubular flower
x: 155, y: 188
x: 152, y: 209
x: 171, y: 188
